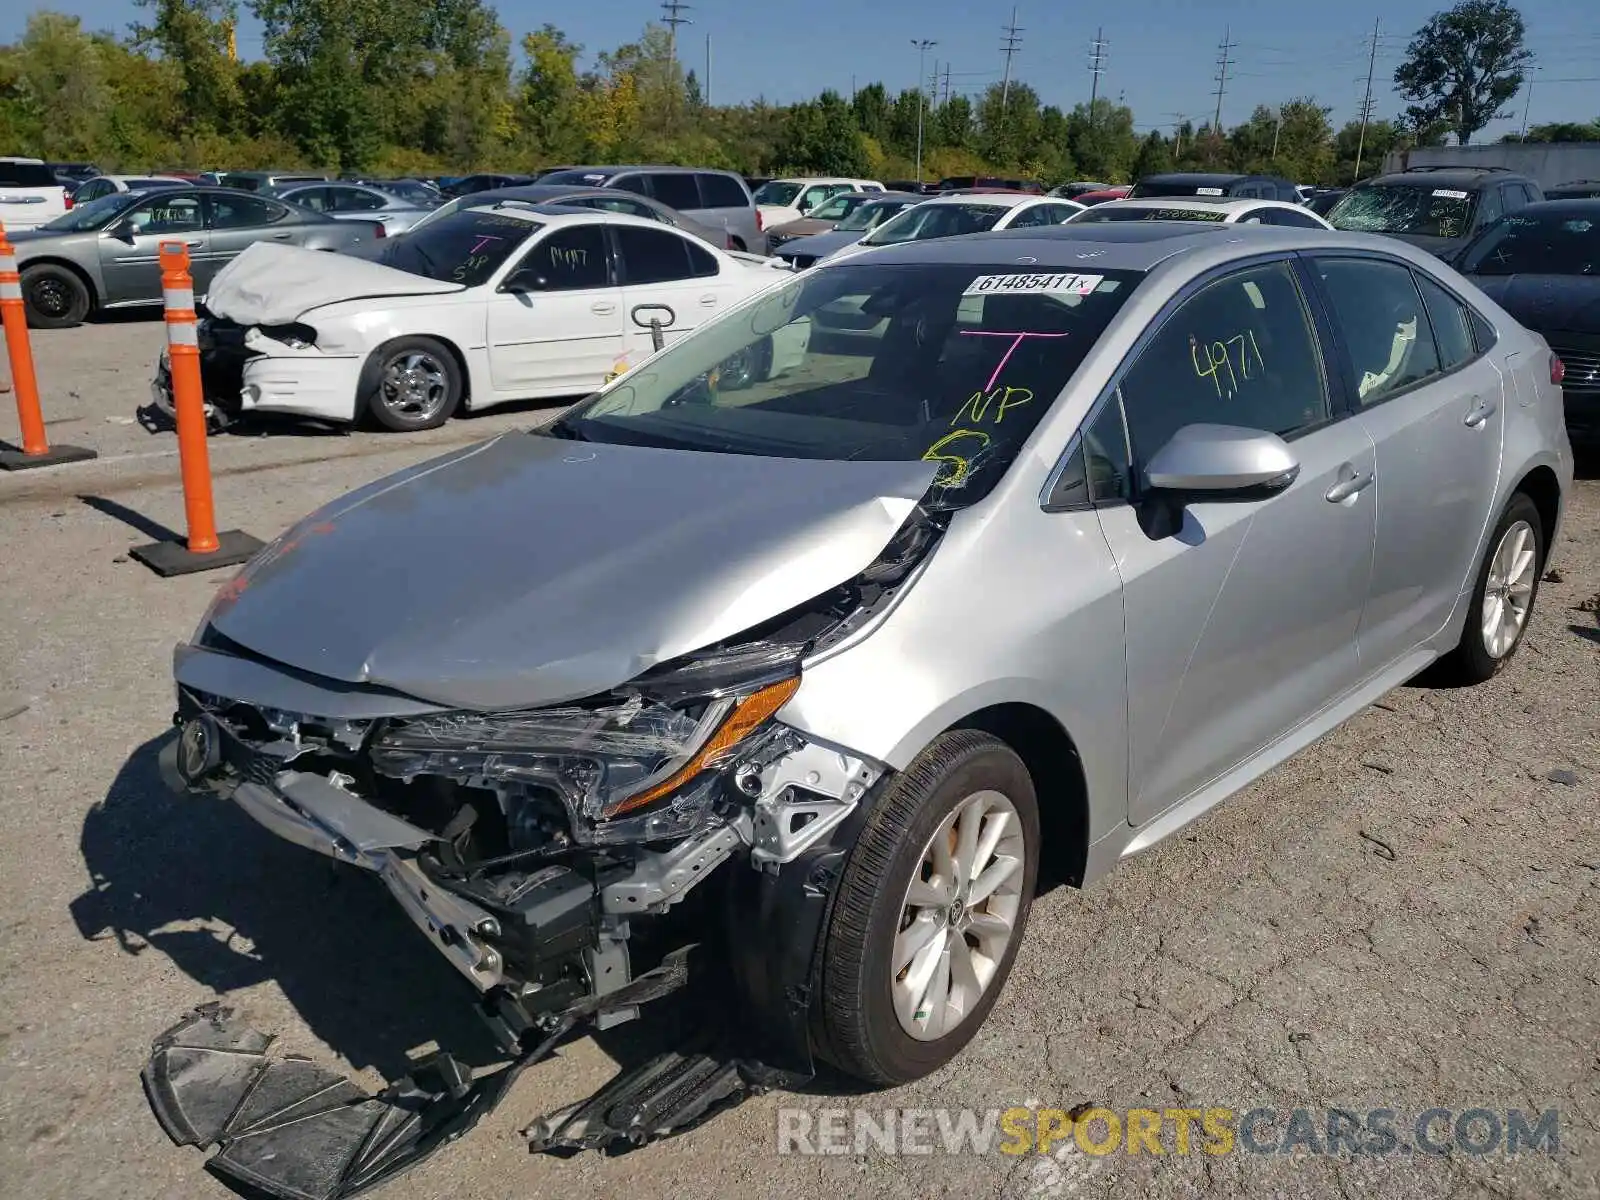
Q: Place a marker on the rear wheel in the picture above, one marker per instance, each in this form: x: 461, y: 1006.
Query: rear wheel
x: 53, y: 297
x: 930, y: 911
x: 412, y: 384
x: 1502, y: 600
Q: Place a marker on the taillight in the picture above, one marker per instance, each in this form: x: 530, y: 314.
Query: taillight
x: 761, y: 222
x: 1558, y: 370
x: 379, y: 230
x: 67, y: 196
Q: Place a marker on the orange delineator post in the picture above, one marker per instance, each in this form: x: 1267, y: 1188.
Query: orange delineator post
x: 35, y: 448
x: 188, y: 397
x: 204, y: 548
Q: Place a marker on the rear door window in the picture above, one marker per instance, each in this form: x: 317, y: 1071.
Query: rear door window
x: 1380, y: 312
x: 244, y: 212
x: 355, y: 200
x: 639, y: 185
x: 654, y: 255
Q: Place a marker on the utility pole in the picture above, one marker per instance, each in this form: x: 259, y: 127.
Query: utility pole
x: 1225, y: 49
x: 946, y: 99
x: 706, y: 91
x: 674, y: 10
x: 1366, y: 101
x: 923, y: 45
x: 1097, y: 66
x: 1526, y: 105
x: 1277, y: 128
x: 1177, y: 133
x: 1009, y: 45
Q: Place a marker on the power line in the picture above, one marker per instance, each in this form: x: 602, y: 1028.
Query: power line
x: 1366, y: 103
x: 1225, y: 48
x: 1097, y: 66
x: 1010, y: 44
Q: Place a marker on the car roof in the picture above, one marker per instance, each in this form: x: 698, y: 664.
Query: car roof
x: 1226, y: 203
x: 554, y: 213
x: 1456, y: 177
x: 617, y: 170
x: 546, y: 192
x: 992, y: 199
x: 1202, y: 178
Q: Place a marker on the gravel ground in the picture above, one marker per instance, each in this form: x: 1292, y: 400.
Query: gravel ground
x: 1404, y: 917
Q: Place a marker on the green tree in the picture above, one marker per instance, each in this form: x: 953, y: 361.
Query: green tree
x: 59, y: 89
x: 820, y: 135
x: 1104, y: 144
x: 1154, y: 157
x: 871, y: 107
x: 1008, y: 124
x: 1293, y: 140
x: 901, y: 133
x: 692, y: 94
x: 1560, y: 131
x: 548, y: 99
x: 1463, y: 65
x: 193, y: 36
x: 1381, y: 137
x: 953, y: 125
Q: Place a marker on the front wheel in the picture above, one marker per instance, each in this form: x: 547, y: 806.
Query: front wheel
x: 53, y: 297
x: 1502, y: 600
x: 930, y: 911
x: 412, y: 384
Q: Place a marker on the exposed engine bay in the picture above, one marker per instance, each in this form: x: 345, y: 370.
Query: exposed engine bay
x: 544, y: 852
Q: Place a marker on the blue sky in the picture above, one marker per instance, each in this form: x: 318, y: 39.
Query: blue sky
x: 1161, y: 54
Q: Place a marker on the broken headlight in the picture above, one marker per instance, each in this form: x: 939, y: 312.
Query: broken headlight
x: 604, y: 760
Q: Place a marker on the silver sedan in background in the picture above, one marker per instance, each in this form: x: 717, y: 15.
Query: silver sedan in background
x: 1100, y: 525
x: 578, y: 196
x: 357, y: 202
x: 106, y: 254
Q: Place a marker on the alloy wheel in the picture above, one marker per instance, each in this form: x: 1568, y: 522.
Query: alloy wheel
x: 958, y: 916
x: 1508, y: 589
x: 50, y: 297
x: 414, y: 386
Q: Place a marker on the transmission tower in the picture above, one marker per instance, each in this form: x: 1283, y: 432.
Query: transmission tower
x: 1010, y: 44
x: 1224, y: 60
x: 1097, y: 67
x: 674, y: 10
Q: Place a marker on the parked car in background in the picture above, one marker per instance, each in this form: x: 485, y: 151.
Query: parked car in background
x: 1574, y: 189
x: 783, y: 200
x: 1436, y: 208
x: 715, y: 198
x: 72, y: 174
x: 850, y: 654
x: 821, y: 218
x: 467, y: 184
x: 954, y: 183
x: 1542, y: 265
x: 801, y: 253
x: 418, y: 191
x: 355, y: 202
x: 1090, y: 199
x: 576, y: 196
x: 954, y: 216
x: 1197, y: 183
x: 912, y: 186
x: 265, y: 181
x: 105, y: 254
x: 1071, y: 191
x: 30, y: 193
x: 1323, y: 200
x: 480, y: 307
x: 106, y: 185
x: 1218, y: 209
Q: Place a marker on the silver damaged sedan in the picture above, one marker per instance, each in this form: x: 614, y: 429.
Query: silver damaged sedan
x: 1052, y: 540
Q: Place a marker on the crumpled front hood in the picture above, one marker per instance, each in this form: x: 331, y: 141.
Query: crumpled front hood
x: 274, y: 284
x: 1547, y: 303
x: 531, y: 570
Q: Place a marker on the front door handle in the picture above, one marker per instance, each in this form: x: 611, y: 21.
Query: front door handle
x: 1481, y: 412
x: 281, y: 237
x: 602, y: 308
x: 194, y: 245
x: 1351, y: 482
x: 710, y: 301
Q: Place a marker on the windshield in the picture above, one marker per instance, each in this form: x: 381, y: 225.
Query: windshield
x: 1154, y: 187
x: 93, y: 215
x: 871, y: 215
x: 1117, y: 212
x: 837, y: 208
x: 463, y: 247
x: 1552, y: 243
x: 948, y: 364
x: 1405, y: 208
x: 928, y: 221
x: 776, y: 192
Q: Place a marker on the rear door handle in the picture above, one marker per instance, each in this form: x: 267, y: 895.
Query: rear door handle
x: 710, y: 301
x: 1351, y: 482
x: 602, y: 308
x: 1481, y: 412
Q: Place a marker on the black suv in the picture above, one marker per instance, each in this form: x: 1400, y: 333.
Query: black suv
x: 1199, y: 183
x: 1436, y: 208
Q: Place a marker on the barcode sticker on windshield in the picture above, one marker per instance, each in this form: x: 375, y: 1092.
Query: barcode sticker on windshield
x: 1450, y: 193
x: 1070, y: 283
x: 1208, y: 191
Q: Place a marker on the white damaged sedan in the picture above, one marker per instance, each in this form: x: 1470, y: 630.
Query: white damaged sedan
x: 483, y: 307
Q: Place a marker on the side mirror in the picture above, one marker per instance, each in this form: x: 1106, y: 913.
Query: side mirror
x: 522, y: 282
x: 1223, y: 461
x: 123, y: 231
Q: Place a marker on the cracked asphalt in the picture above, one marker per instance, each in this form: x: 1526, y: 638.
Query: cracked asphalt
x: 1404, y: 917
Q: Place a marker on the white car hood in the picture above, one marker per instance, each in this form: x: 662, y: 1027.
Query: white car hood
x: 274, y: 284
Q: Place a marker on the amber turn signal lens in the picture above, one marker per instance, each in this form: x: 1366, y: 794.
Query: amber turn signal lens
x: 747, y: 716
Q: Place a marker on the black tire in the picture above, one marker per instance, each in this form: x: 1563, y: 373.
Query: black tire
x: 392, y: 404
x: 1471, y: 661
x: 858, y: 1029
x: 54, y: 297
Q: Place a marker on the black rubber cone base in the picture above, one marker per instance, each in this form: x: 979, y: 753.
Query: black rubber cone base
x: 167, y: 559
x: 16, y: 460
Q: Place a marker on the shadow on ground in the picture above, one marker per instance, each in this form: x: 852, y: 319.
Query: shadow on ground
x: 232, y: 906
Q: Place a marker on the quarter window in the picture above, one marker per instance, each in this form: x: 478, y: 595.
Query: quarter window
x: 1380, y: 313
x: 1452, y: 327
x: 1239, y: 352
x: 1097, y: 472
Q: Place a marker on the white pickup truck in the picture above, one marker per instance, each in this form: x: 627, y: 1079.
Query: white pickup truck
x: 30, y: 194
